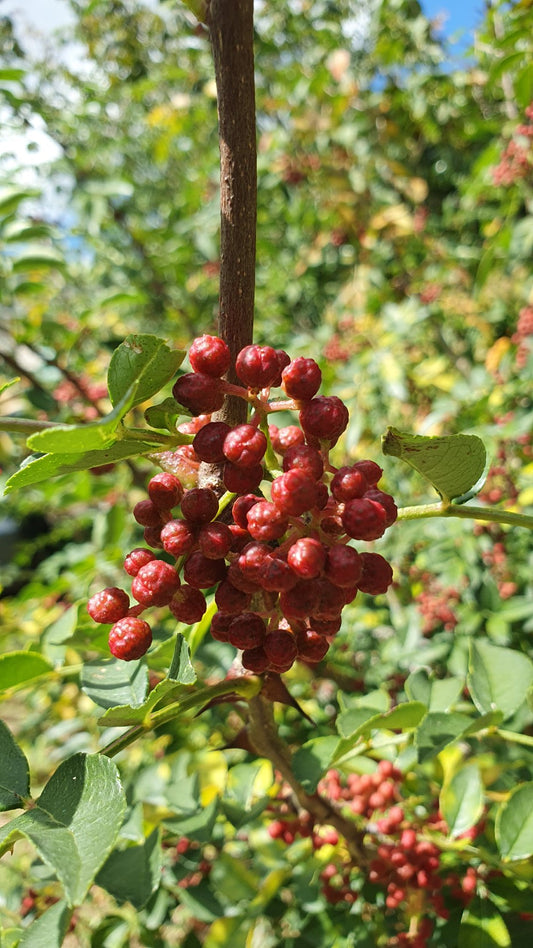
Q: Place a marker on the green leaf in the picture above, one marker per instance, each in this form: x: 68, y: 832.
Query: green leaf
x: 75, y: 822
x: 19, y: 667
x: 145, y: 360
x: 95, y: 436
x: 403, y: 716
x: 498, y: 678
x: 133, y: 874
x: 438, y: 694
x: 461, y: 800
x: 452, y: 464
x: 312, y: 759
x: 163, y: 415
x: 482, y: 927
x: 10, y: 198
x: 14, y: 772
x: 5, y: 385
x: 49, y: 930
x: 37, y: 258
x: 514, y: 824
x: 437, y: 730
x: 111, y: 681
x: 38, y: 469
x: 11, y: 75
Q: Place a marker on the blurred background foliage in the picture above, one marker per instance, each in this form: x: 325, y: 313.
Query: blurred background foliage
x: 395, y: 238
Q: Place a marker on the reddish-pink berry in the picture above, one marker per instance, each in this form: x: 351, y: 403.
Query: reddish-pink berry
x: 348, y: 483
x: 201, y: 394
x: 245, y: 445
x: 199, y: 504
x: 284, y: 438
x: 209, y: 355
x: 324, y: 418
x: 241, y: 506
x: 304, y: 458
x: 147, y: 514
x: 109, y: 605
x: 307, y: 557
x: 386, y: 501
x: 283, y: 360
x: 343, y: 565
x: 155, y: 583
x: 215, y: 540
x: 277, y: 575
x: 137, y: 558
x: 209, y: 442
x: 301, y: 378
x: 364, y: 519
x: 294, y: 492
x: 178, y: 537
x: 130, y: 638
x: 187, y: 604
x: 266, y: 521
x: 165, y: 490
x: 257, y: 366
x: 376, y: 576
x: 371, y: 471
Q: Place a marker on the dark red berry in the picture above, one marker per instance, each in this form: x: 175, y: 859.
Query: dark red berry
x: 209, y: 442
x: 386, y: 501
x: 247, y: 630
x: 324, y: 418
x: 283, y: 360
x: 301, y: 378
x: 242, y: 480
x: 255, y: 660
x: 209, y: 355
x: 376, y: 576
x: 253, y: 559
x: 307, y: 557
x: 245, y: 445
x: 147, y: 514
x: 201, y: 572
x: 178, y: 537
x: 280, y: 647
x: 371, y: 471
x: 152, y: 537
x: 311, y: 646
x: 137, y: 558
x: 188, y: 604
x: 130, y: 638
x: 201, y: 394
x: 241, y: 507
x: 165, y: 490
x: 215, y: 540
x: 199, y: 504
x: 293, y: 493
x: 277, y: 575
x: 155, y: 583
x: 109, y: 605
x: 348, y: 483
x: 257, y: 366
x: 343, y: 565
x: 330, y: 600
x: 300, y: 601
x: 220, y: 624
x: 304, y: 458
x: 364, y: 519
x: 230, y: 599
x: 266, y: 521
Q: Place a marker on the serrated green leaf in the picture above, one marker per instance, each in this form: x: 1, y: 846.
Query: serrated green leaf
x: 453, y: 464
x: 94, y: 436
x: 14, y: 772
x: 110, y: 682
x: 38, y: 469
x: 498, y: 678
x: 19, y: 667
x: 75, y: 821
x: 49, y: 930
x: 133, y: 874
x: 145, y: 360
x: 514, y: 824
x: 461, y: 800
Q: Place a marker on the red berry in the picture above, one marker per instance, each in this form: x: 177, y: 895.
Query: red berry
x: 130, y: 638
x: 348, y: 483
x: 280, y: 647
x: 109, y: 605
x: 209, y: 441
x: 371, y: 471
x: 307, y: 557
x: 152, y: 537
x: 147, y: 514
x: 364, y: 519
x: 266, y: 521
x: 300, y: 601
x: 324, y: 418
x: 376, y: 576
x: 188, y: 604
x: 304, y: 458
x: 137, y: 558
x: 230, y: 599
x: 241, y: 507
x: 330, y: 600
x: 247, y: 631
x: 386, y: 501
x: 165, y: 490
x: 220, y: 624
x: 201, y: 572
x: 210, y: 355
x: 242, y: 480
x: 201, y: 394
x: 199, y: 504
x: 215, y: 540
x: 255, y: 660
x: 178, y: 537
x: 257, y: 366
x: 284, y: 438
x: 245, y: 445
x: 311, y: 646
x: 294, y: 492
x: 301, y: 378
x: 253, y: 559
x: 155, y: 583
x: 283, y: 360
x: 277, y: 575
x: 343, y: 565
x: 327, y: 626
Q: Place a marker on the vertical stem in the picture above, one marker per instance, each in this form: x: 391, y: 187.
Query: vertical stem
x: 232, y: 31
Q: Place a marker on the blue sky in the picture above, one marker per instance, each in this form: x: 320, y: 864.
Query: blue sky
x: 460, y: 15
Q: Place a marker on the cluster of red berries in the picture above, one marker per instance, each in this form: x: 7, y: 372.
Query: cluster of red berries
x: 523, y: 333
x: 516, y: 160
x: 284, y: 567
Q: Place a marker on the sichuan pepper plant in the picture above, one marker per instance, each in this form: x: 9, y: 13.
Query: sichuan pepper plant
x: 397, y: 823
